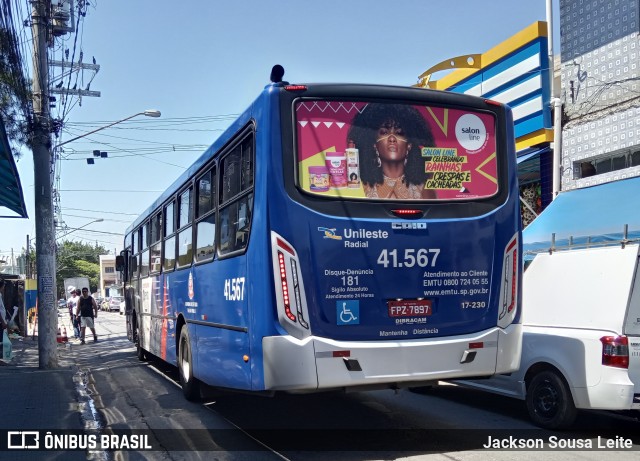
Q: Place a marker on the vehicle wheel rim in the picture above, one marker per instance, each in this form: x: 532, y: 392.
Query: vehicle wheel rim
x: 546, y: 400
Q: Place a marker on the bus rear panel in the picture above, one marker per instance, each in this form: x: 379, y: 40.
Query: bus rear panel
x: 376, y: 289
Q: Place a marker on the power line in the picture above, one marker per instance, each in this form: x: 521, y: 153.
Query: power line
x: 102, y: 211
x: 98, y: 232
x: 163, y: 149
x: 160, y: 121
x: 92, y: 217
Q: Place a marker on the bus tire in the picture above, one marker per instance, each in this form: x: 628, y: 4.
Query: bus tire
x: 140, y: 352
x: 549, y: 401
x: 190, y: 385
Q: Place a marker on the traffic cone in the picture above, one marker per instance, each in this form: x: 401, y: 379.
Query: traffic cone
x: 65, y: 338
x: 59, y: 337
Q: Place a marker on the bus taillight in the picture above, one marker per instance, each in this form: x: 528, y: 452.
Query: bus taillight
x: 291, y: 301
x: 285, y: 287
x: 509, y: 284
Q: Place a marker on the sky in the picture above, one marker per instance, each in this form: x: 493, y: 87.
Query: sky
x: 201, y: 63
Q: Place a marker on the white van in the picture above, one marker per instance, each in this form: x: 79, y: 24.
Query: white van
x: 581, y: 343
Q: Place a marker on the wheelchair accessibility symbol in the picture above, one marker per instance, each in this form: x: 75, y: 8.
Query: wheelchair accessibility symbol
x: 348, y: 312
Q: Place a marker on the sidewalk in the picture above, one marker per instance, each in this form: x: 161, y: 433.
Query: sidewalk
x: 35, y: 399
x: 39, y: 399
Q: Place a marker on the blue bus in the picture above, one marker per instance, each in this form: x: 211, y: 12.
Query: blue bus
x: 335, y: 236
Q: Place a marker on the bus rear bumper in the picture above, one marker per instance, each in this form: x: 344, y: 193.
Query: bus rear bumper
x: 314, y: 363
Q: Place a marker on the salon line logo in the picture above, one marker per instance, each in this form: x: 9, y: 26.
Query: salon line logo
x: 329, y: 233
x: 471, y: 132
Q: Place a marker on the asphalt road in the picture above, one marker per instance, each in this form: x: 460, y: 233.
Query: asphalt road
x: 448, y: 422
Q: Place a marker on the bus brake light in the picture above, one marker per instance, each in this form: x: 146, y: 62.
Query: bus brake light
x: 295, y: 87
x: 405, y: 213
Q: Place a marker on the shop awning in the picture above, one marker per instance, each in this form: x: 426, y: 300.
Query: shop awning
x: 10, y: 189
x: 591, y: 215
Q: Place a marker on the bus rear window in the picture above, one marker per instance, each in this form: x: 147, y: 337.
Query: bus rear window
x: 385, y: 151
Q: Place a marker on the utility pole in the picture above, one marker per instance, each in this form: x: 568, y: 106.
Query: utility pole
x: 42, y: 169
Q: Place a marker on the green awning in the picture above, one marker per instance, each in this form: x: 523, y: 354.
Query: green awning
x: 10, y: 189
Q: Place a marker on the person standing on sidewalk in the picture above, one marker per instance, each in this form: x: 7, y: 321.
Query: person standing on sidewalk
x: 3, y: 311
x: 87, y: 311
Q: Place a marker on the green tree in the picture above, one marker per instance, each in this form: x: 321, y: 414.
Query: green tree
x: 76, y: 259
x: 15, y: 90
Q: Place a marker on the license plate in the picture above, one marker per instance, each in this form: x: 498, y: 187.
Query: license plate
x: 409, y: 308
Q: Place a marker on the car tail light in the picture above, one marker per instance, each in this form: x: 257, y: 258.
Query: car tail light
x: 615, y: 351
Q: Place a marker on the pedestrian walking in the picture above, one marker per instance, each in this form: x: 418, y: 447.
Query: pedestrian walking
x: 87, y: 310
x: 72, y: 304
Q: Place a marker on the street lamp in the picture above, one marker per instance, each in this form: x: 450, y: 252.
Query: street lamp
x: 147, y: 113
x: 78, y: 228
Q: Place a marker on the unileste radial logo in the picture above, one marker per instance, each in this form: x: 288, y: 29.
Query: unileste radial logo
x: 471, y: 132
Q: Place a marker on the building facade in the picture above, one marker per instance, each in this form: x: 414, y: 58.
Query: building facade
x: 109, y: 277
x: 600, y: 91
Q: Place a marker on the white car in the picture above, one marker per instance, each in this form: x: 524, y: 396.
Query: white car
x: 115, y: 302
x: 581, y: 336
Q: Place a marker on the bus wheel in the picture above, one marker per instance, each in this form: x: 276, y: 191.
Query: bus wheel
x: 140, y: 352
x: 549, y: 401
x: 190, y: 385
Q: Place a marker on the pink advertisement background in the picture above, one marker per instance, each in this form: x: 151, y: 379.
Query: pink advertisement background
x: 323, y: 125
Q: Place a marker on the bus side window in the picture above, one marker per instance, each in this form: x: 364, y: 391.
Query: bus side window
x: 206, y: 238
x: 235, y: 224
x: 236, y: 183
x: 244, y: 221
x: 185, y: 247
x: 144, y: 264
x: 169, y: 261
x: 225, y: 234
x: 133, y: 267
x: 231, y: 175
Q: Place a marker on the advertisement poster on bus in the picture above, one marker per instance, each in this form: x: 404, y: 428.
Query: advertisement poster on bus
x: 395, y: 151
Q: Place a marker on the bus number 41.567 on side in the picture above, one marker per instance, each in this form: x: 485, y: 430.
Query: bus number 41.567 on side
x: 234, y: 289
